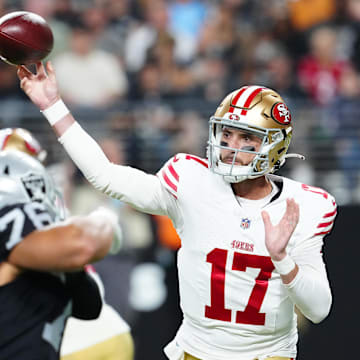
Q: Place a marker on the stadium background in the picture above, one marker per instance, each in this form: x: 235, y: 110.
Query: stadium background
x: 143, y: 77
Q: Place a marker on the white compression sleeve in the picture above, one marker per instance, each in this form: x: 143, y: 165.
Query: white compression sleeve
x: 141, y: 190
x: 310, y: 292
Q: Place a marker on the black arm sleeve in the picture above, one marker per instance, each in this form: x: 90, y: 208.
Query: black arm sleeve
x: 85, y: 294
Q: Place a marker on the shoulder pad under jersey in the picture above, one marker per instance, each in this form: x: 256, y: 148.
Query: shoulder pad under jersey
x: 170, y: 173
x: 325, y: 206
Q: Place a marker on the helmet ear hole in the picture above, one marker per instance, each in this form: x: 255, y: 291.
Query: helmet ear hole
x: 277, y: 165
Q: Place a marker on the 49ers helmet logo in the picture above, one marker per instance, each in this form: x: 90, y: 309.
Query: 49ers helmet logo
x: 281, y: 114
x: 234, y: 117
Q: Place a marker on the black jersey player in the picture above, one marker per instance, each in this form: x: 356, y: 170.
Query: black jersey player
x: 42, y: 281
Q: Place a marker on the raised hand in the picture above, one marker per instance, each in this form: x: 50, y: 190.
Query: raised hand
x: 41, y: 87
x: 278, y: 236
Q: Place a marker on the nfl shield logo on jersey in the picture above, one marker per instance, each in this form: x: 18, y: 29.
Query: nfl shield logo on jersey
x: 245, y: 223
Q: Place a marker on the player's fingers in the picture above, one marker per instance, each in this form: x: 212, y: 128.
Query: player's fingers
x: 24, y: 84
x: 266, y: 218
x: 40, y: 69
x: 20, y: 73
x: 291, y: 206
x: 292, y: 212
x: 23, y: 72
x: 297, y: 211
x: 51, y: 71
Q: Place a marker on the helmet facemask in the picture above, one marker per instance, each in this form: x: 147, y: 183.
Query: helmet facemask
x: 265, y: 116
x: 261, y: 164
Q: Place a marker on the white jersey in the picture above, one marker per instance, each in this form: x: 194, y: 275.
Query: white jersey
x: 234, y: 302
x: 235, y: 305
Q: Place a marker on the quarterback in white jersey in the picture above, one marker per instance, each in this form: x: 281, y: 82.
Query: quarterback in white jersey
x: 234, y: 302
x: 250, y: 241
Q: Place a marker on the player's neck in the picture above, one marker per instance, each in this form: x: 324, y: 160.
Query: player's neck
x: 253, y: 189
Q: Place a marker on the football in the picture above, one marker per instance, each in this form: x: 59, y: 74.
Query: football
x: 25, y: 38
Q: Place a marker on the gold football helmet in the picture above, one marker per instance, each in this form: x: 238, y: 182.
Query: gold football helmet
x: 259, y: 111
x: 21, y: 140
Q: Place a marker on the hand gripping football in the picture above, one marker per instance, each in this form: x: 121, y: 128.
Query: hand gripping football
x: 25, y: 38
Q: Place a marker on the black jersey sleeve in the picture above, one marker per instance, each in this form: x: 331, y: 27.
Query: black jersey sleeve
x: 19, y: 220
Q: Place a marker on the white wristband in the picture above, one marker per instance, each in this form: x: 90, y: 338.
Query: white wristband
x: 55, y: 112
x: 117, y: 242
x: 284, y: 266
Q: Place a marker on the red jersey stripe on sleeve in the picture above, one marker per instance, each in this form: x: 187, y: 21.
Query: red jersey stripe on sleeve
x: 173, y: 172
x: 322, y: 225
x: 330, y: 214
x: 323, y: 232
x: 199, y: 160
x: 169, y: 182
x: 170, y: 186
x: 330, y: 217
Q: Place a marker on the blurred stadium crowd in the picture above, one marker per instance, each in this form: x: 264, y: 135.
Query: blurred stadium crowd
x: 144, y: 76
x: 150, y: 73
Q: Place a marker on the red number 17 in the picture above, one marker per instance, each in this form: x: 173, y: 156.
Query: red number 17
x: 251, y: 314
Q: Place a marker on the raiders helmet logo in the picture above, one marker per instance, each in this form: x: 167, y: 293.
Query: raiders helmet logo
x: 281, y: 114
x: 35, y: 187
